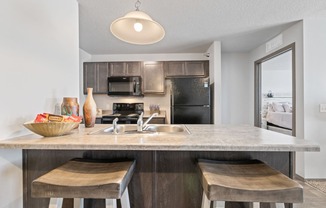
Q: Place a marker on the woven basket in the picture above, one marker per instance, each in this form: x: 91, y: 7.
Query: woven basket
x: 51, y: 129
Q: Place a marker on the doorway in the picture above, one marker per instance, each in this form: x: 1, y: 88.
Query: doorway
x: 275, y: 91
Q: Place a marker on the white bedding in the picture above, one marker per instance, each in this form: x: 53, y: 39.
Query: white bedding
x: 283, y: 119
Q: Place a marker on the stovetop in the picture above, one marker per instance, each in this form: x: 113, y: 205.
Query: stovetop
x: 126, y: 110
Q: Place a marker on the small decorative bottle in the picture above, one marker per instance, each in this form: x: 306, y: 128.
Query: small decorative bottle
x: 89, y: 109
x: 70, y: 106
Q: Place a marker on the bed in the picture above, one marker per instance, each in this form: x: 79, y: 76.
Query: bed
x: 278, y: 117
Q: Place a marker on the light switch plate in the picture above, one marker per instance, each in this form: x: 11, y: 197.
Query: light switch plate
x: 322, y: 108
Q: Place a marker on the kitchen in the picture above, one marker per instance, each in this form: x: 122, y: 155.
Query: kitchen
x: 172, y: 86
x: 61, y: 63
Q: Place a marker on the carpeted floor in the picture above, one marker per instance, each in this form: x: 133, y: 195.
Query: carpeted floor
x: 319, y: 184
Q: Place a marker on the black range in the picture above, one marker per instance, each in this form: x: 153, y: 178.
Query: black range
x: 127, y: 113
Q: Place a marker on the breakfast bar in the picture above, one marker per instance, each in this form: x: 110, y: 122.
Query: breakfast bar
x: 166, y: 171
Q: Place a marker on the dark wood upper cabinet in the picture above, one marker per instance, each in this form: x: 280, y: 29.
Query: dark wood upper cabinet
x: 195, y: 68
x: 125, y: 69
x: 89, y: 76
x: 95, y: 76
x: 186, y: 69
x: 153, y: 78
x: 102, y: 77
x: 153, y: 73
x: 174, y: 68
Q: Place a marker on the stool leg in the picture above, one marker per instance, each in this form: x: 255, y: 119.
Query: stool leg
x: 115, y: 203
x: 255, y: 204
x: 205, y: 203
x: 280, y: 205
x: 78, y: 203
x: 109, y: 202
x: 271, y: 205
x: 55, y: 202
x: 218, y: 204
x: 125, y: 199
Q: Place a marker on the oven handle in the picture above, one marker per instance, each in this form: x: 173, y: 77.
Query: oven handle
x: 134, y: 86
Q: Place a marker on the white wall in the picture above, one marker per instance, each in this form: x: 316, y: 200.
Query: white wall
x: 276, y: 75
x: 149, y: 57
x: 293, y: 34
x: 235, y: 86
x: 39, y: 65
x: 105, y: 102
x: 314, y: 29
x: 215, y: 72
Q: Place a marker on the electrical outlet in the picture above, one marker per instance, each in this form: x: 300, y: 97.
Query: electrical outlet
x: 322, y: 108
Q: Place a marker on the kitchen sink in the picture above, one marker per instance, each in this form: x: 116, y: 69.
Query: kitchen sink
x: 166, y: 128
x: 150, y: 129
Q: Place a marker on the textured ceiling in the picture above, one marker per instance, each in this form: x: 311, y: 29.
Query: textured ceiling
x: 192, y: 25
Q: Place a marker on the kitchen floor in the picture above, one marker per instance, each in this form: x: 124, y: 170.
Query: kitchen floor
x: 313, y: 198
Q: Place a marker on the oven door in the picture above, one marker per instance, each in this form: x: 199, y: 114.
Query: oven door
x: 128, y: 86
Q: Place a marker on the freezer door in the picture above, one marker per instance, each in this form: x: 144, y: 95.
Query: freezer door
x: 190, y: 115
x: 190, y: 91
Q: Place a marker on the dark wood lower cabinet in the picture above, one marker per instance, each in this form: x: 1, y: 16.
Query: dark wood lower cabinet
x: 162, y: 178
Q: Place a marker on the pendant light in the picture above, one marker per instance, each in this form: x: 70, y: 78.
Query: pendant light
x: 137, y: 27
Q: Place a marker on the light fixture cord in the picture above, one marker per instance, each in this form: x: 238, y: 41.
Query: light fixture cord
x: 137, y: 5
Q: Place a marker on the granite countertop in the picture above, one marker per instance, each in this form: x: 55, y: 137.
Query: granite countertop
x: 201, y: 138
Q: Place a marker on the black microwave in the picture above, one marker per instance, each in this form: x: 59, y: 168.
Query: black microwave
x: 124, y: 86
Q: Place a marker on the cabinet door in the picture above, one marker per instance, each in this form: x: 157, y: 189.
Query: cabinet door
x: 175, y: 68
x: 102, y: 78
x: 89, y: 76
x: 153, y: 79
x: 195, y: 68
x: 132, y: 69
x: 117, y: 69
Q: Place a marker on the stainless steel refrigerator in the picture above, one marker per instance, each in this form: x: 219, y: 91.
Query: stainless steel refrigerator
x: 191, y: 101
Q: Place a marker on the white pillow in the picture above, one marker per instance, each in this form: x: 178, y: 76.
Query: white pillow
x: 287, y: 107
x: 270, y: 108
x: 278, y: 107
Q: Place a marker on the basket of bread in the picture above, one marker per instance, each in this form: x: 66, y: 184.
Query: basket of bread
x: 50, y: 125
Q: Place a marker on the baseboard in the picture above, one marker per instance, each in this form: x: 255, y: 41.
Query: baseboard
x: 299, y: 178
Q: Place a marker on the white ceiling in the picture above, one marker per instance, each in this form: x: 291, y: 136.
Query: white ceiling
x: 192, y: 25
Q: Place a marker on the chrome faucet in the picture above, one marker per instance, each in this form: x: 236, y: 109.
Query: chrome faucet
x: 115, y: 125
x: 141, y: 125
x: 149, y: 119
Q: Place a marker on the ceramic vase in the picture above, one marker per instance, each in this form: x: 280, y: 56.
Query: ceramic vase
x: 89, y: 109
x: 70, y: 106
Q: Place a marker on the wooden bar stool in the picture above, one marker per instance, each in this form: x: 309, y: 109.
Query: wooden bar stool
x: 246, y: 181
x: 81, y: 178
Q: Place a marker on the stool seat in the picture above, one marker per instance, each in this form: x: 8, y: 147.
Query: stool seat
x: 80, y: 178
x: 247, y: 181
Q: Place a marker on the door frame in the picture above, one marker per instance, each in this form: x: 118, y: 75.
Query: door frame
x: 258, y: 85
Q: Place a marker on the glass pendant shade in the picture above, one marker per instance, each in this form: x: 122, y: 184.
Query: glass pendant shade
x: 137, y: 27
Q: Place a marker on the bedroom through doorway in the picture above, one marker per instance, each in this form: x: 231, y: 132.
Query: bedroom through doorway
x: 275, y: 91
